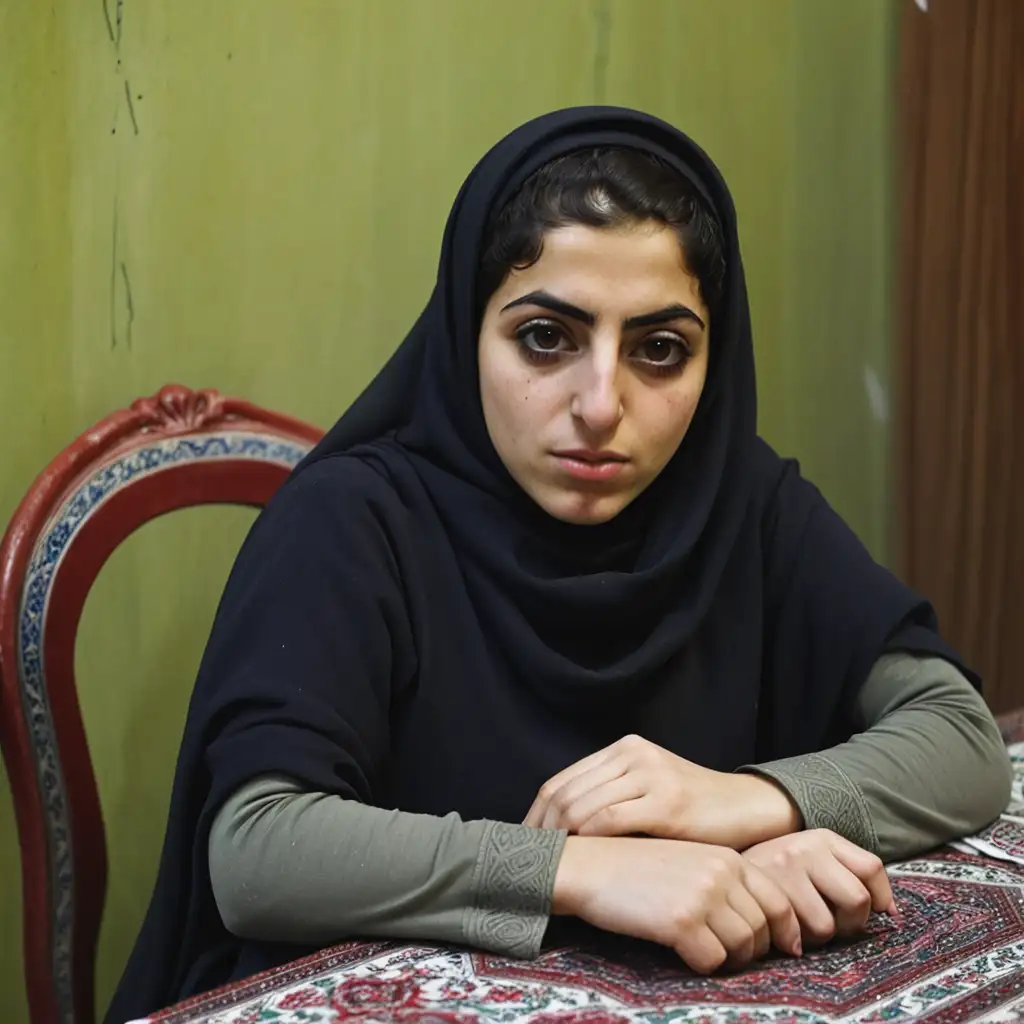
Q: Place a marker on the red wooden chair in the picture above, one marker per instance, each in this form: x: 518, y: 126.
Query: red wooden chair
x: 177, y: 449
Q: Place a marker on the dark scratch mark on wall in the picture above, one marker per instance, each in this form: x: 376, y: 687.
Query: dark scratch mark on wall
x: 602, y: 46
x: 117, y: 111
x: 129, y: 303
x: 113, y: 274
x: 118, y: 266
x: 114, y: 26
x: 131, y: 106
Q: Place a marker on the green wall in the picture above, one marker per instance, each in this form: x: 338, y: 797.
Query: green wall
x: 264, y: 217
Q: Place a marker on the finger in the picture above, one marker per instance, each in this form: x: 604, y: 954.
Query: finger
x: 592, y: 814
x: 637, y: 817
x: 734, y: 932
x: 536, y: 813
x: 871, y: 871
x: 853, y: 921
x: 845, y: 891
x: 777, y: 909
x: 701, y: 949
x: 750, y: 910
x: 817, y: 922
x: 581, y: 766
x: 563, y: 810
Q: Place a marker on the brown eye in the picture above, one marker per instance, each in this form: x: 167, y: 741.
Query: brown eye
x: 541, y: 337
x: 661, y: 350
x: 543, y: 341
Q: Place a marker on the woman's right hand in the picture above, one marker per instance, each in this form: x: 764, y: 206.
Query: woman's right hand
x: 706, y: 902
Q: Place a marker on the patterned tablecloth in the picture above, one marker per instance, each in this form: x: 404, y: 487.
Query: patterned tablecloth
x: 958, y: 956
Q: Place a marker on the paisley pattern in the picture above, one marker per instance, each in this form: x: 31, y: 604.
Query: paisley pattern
x: 508, y: 864
x: 826, y: 796
x: 957, y: 956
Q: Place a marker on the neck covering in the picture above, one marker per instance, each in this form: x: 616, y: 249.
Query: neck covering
x: 404, y: 626
x: 555, y: 593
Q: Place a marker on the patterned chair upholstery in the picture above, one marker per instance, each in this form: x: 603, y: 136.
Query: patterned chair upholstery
x: 177, y: 449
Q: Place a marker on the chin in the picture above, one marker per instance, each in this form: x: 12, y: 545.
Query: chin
x: 583, y: 509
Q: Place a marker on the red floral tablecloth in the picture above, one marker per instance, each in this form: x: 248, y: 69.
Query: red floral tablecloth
x: 958, y: 956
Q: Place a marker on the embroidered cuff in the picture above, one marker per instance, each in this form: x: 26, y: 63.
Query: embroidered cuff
x: 826, y: 795
x: 513, y: 883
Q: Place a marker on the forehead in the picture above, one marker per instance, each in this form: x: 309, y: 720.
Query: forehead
x: 633, y: 265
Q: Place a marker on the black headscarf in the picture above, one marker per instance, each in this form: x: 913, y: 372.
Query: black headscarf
x: 727, y: 613
x: 534, y: 574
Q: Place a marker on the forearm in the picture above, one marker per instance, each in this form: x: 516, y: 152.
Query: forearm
x: 928, y: 766
x: 769, y: 810
x: 286, y: 865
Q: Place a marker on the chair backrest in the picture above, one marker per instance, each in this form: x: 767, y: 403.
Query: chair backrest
x: 177, y: 449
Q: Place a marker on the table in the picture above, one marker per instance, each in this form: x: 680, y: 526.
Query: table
x: 959, y: 956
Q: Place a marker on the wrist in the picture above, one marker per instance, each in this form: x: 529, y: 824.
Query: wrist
x: 570, y: 877
x: 771, y: 811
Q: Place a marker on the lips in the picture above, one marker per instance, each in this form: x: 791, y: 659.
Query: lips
x: 586, y: 455
x: 591, y: 466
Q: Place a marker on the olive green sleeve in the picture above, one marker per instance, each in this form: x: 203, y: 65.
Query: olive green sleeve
x: 288, y: 865
x: 926, y: 765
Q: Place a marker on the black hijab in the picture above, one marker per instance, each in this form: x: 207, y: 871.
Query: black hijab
x: 727, y: 613
x: 533, y: 574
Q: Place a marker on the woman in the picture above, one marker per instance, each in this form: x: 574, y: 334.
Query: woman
x: 541, y: 627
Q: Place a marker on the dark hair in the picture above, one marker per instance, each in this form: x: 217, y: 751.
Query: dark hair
x: 603, y: 187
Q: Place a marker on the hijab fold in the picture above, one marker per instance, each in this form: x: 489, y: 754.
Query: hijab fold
x: 404, y: 625
x: 646, y: 578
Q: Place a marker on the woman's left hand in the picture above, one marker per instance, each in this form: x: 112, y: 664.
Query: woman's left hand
x: 635, y: 787
x: 832, y: 884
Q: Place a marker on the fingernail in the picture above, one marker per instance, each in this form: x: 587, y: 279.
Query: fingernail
x: 798, y: 948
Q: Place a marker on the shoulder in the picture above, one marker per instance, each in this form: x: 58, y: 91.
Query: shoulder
x: 332, y: 515
x: 785, y: 499
x: 340, y: 490
x: 346, y: 477
x: 802, y: 535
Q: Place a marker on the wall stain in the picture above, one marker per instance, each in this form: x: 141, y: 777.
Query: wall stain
x: 129, y: 303
x: 113, y: 271
x: 131, y: 106
x: 114, y: 24
x: 118, y: 266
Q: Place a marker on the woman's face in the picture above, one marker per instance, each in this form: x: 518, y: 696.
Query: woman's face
x: 592, y: 362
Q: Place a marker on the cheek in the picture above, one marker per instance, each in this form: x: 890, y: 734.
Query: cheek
x: 667, y: 422
x: 511, y: 407
x: 526, y: 408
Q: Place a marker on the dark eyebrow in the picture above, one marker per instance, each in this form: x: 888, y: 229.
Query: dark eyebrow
x: 548, y: 301
x: 660, y: 316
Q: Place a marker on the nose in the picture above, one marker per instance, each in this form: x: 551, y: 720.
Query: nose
x: 597, y: 399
